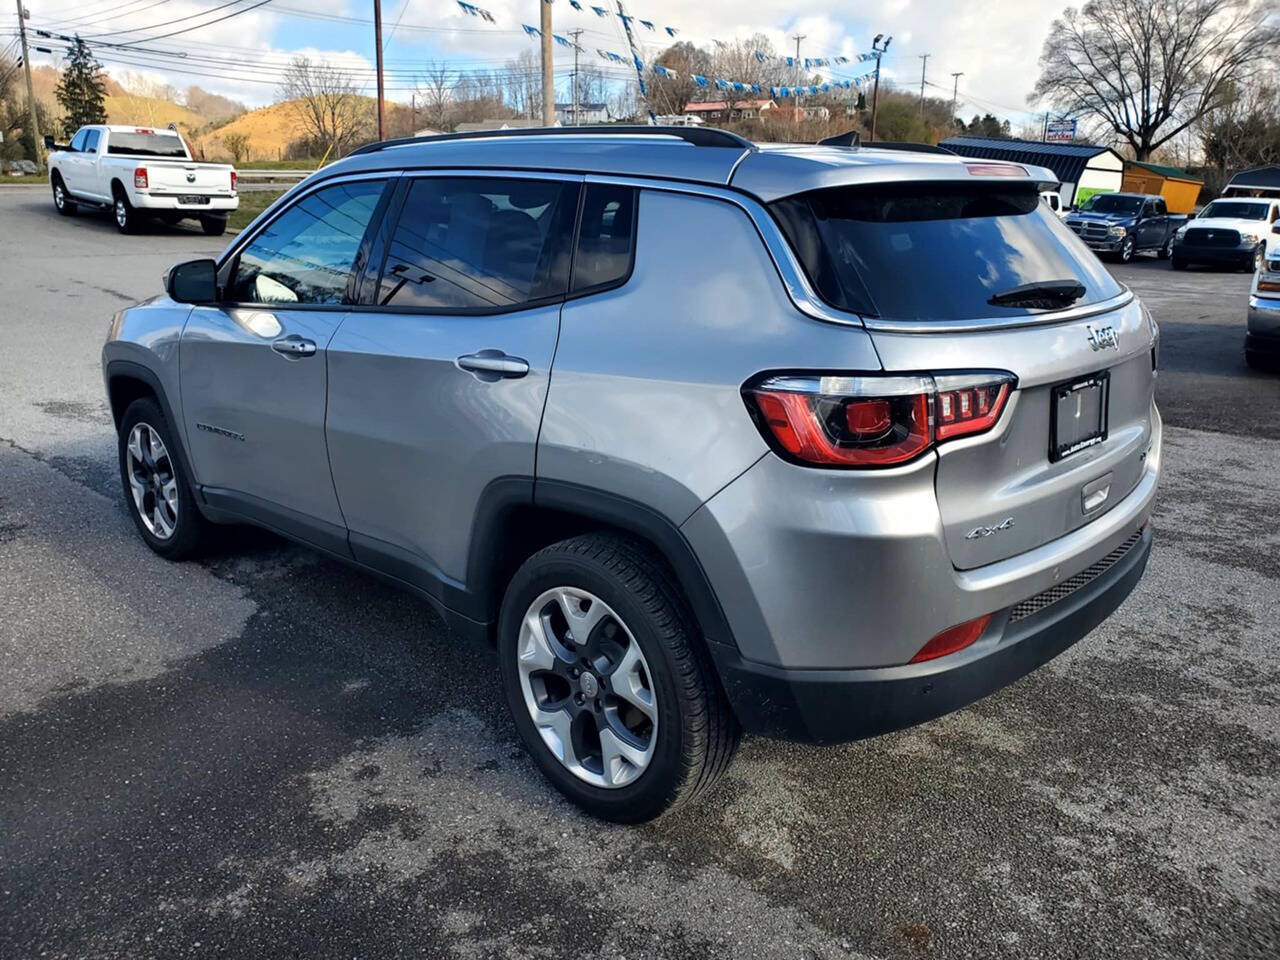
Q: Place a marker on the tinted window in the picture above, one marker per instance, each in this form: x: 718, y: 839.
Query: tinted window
x: 605, y: 239
x: 1112, y: 203
x: 1161, y: 209
x: 146, y: 144
x: 305, y: 255
x: 91, y: 141
x: 942, y: 251
x: 1236, y: 210
x: 77, y: 142
x: 480, y: 243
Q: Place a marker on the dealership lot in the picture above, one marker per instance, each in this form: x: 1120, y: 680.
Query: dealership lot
x: 270, y: 754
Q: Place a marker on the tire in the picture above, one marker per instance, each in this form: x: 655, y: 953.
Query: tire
x: 213, y: 226
x: 174, y: 528
x: 62, y: 201
x: 1177, y: 262
x: 669, y: 761
x: 126, y: 215
x: 1127, y: 249
x: 1259, y: 258
x: 1165, y: 252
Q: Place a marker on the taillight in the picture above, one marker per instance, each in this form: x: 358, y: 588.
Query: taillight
x: 952, y: 639
x: 233, y: 181
x: 873, y: 421
x: 140, y: 178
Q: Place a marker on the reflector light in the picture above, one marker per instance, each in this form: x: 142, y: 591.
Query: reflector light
x: 1271, y: 286
x: 140, y: 178
x: 873, y: 421
x: 996, y: 170
x: 952, y: 639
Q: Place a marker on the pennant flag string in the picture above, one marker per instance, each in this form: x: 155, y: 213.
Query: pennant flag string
x: 472, y: 10
x: 531, y: 31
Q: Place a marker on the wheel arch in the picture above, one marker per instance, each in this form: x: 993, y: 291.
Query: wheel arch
x: 518, y: 516
x: 127, y: 382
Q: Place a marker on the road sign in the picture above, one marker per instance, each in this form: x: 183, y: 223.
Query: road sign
x: 1060, y: 131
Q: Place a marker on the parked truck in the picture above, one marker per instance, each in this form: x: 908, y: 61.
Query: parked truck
x: 1120, y: 225
x: 140, y: 173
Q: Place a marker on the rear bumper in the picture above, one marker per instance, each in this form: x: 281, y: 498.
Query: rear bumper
x: 1235, y: 256
x: 835, y: 706
x: 217, y: 205
x: 1264, y: 323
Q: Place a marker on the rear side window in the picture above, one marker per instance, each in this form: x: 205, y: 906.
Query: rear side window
x: 606, y: 238
x: 480, y: 244
x: 940, y: 251
x: 146, y: 144
x: 305, y: 255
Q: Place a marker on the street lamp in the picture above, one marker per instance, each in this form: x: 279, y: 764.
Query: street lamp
x: 879, y: 49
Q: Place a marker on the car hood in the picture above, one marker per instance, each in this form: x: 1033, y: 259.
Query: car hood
x: 1100, y: 217
x: 1258, y: 227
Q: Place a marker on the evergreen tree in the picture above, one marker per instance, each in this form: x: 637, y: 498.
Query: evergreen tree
x: 81, y: 91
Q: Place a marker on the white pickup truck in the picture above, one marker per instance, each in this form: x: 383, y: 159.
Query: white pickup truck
x: 140, y: 172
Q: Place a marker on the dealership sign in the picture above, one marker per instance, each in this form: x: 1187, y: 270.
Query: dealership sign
x: 1060, y: 131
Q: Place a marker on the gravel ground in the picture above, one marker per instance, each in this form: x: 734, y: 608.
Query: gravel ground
x: 268, y: 754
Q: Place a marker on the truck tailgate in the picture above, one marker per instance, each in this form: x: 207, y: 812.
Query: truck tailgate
x: 187, y: 178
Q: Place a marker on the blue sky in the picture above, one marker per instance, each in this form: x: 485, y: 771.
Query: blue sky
x: 994, y: 44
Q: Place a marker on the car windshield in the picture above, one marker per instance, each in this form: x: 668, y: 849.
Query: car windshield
x: 1236, y: 210
x: 1111, y: 203
x: 940, y: 251
x: 146, y: 144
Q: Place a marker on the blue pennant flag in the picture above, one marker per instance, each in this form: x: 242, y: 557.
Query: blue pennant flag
x: 840, y: 60
x: 785, y: 91
x: 647, y: 24
x: 807, y: 61
x: 662, y: 71
x: 700, y: 81
x: 739, y: 86
x: 600, y: 11
x: 531, y: 31
x: 791, y: 61
x: 755, y: 88
x: 826, y: 88
x: 773, y: 91
x: 760, y: 55
x: 864, y: 57
x: 575, y: 4
x: 671, y: 31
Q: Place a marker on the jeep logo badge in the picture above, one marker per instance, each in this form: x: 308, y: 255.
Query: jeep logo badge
x: 1102, y: 338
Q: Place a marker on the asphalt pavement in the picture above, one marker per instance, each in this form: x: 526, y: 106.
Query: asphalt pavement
x: 266, y: 754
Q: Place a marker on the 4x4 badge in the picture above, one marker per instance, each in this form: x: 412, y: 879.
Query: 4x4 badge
x: 978, y: 533
x: 1100, y: 338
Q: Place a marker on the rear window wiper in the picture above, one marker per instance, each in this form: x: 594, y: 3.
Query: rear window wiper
x: 1045, y: 294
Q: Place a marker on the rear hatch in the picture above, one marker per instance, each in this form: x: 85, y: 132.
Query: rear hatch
x: 955, y: 276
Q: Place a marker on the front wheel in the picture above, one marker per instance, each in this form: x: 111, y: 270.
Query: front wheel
x: 62, y: 201
x: 1166, y: 251
x: 1127, y: 249
x: 607, y: 681
x: 157, y: 490
x: 1259, y: 259
x: 213, y: 226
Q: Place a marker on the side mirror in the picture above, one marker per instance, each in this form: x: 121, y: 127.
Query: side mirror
x: 195, y: 281
x: 48, y: 141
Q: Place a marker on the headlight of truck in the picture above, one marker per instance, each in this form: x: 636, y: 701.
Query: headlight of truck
x: 1248, y: 239
x: 1179, y: 233
x: 1117, y: 231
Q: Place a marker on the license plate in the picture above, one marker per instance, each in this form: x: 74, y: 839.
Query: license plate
x: 193, y: 199
x: 1078, y: 415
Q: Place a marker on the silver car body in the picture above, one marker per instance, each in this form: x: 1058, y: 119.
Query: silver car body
x: 382, y: 451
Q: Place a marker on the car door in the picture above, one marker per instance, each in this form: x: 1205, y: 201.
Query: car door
x: 71, y: 162
x: 89, y: 171
x: 253, y: 367
x: 1152, y: 226
x: 437, y: 384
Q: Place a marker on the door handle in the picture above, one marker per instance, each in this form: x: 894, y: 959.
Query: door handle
x: 294, y: 347
x: 491, y: 365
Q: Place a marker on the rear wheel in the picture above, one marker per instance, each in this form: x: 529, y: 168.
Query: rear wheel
x: 127, y: 219
x: 157, y: 491
x: 606, y: 680
x: 62, y: 201
x: 213, y: 226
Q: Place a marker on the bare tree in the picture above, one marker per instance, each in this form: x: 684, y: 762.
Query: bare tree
x: 435, y: 92
x: 326, y: 102
x: 1148, y: 69
x: 673, y: 94
x: 238, y: 144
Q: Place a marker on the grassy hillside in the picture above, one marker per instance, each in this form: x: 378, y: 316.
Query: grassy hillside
x: 151, y: 112
x: 270, y: 131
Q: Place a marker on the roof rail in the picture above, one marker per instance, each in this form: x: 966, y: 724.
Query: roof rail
x: 698, y: 136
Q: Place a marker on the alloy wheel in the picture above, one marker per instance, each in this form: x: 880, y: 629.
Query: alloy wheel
x: 59, y: 196
x: 152, y: 481
x: 588, y: 687
x: 122, y: 214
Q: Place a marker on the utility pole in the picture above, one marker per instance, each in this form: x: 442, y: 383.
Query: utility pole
x: 955, y: 88
x: 576, y: 33
x: 879, y: 50
x: 36, y: 142
x: 924, y: 62
x: 796, y: 113
x: 377, y: 42
x: 548, y: 68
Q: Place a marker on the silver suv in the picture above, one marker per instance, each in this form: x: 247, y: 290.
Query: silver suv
x: 814, y: 442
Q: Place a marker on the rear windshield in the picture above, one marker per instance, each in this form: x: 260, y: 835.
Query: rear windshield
x: 146, y: 144
x: 1236, y: 210
x: 940, y: 251
x: 1112, y: 203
